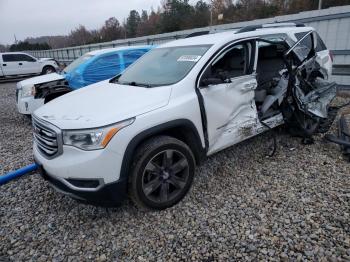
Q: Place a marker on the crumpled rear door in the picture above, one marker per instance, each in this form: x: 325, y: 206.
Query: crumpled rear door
x: 312, y: 92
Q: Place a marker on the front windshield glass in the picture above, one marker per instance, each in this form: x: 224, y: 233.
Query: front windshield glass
x: 163, y: 66
x: 77, y: 62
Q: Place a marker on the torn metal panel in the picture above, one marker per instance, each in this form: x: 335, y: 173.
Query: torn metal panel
x: 57, y: 86
x: 317, y: 101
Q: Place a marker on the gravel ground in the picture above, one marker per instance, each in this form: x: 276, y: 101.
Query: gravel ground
x: 242, y: 206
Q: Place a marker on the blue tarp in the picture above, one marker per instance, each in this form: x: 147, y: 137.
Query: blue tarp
x: 101, y: 67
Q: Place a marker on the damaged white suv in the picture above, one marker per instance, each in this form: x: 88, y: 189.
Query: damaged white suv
x: 143, y: 132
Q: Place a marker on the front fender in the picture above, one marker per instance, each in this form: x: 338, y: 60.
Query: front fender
x: 192, y: 137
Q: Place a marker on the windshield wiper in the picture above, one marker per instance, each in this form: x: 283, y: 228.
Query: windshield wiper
x: 133, y: 83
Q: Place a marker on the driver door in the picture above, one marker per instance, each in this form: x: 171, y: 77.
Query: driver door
x: 227, y: 88
x: 28, y: 64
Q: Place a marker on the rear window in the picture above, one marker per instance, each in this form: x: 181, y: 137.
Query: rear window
x: 320, y: 44
x: 9, y: 58
x: 307, y: 41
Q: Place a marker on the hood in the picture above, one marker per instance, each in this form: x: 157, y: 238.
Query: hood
x: 45, y: 59
x: 41, y: 79
x: 102, y: 104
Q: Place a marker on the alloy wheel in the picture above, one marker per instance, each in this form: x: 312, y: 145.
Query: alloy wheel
x: 165, y: 176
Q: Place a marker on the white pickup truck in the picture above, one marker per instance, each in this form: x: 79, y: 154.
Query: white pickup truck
x: 16, y: 64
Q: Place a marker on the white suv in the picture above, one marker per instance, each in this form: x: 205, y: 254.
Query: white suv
x: 143, y: 132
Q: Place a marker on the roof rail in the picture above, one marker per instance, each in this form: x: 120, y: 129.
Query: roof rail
x: 250, y: 28
x: 197, y: 34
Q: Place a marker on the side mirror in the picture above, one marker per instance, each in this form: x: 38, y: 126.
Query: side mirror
x: 211, y: 81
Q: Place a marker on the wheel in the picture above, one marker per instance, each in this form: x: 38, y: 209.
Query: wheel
x: 48, y: 70
x: 162, y: 173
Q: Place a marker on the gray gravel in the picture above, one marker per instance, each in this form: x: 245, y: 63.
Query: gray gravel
x: 242, y: 206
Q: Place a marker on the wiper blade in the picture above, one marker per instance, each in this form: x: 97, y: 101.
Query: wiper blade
x: 133, y: 83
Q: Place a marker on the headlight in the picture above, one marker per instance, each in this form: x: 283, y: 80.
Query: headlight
x: 28, y: 91
x: 96, y: 138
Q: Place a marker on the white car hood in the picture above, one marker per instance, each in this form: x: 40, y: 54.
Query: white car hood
x: 45, y: 59
x: 102, y: 104
x: 40, y: 79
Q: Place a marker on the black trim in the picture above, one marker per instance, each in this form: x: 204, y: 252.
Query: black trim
x: 44, y: 89
x: 55, y: 92
x: 110, y: 195
x: 197, y: 34
x: 194, y: 142
x: 203, y: 116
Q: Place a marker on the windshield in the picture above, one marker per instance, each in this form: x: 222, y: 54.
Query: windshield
x: 76, y: 63
x: 163, y: 66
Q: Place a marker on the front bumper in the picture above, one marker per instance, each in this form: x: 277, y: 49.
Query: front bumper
x: 78, y: 165
x: 109, y: 195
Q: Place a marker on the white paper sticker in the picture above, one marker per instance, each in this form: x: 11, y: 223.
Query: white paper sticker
x: 189, y: 58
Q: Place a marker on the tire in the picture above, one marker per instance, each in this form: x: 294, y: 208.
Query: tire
x: 48, y: 70
x: 161, y: 173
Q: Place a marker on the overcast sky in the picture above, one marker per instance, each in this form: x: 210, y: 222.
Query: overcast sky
x: 26, y: 18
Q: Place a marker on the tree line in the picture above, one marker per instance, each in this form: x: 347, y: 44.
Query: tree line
x: 175, y: 15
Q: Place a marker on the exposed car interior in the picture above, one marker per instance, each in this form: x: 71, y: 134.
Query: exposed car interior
x: 270, y: 65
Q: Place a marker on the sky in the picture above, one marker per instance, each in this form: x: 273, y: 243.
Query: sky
x: 32, y: 18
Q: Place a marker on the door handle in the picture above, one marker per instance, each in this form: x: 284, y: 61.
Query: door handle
x: 4, y: 64
x: 20, y: 63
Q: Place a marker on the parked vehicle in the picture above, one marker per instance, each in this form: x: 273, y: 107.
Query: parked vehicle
x: 90, y: 68
x: 144, y: 131
x: 16, y: 64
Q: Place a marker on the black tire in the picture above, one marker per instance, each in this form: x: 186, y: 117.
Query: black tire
x: 164, y: 168
x: 48, y: 70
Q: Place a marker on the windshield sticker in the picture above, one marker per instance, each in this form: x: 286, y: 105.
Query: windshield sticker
x: 189, y: 58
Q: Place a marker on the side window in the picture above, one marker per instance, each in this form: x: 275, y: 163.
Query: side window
x: 303, y: 49
x: 270, y: 62
x: 234, y: 62
x: 307, y: 42
x: 102, y: 68
x: 320, y: 46
x: 9, y: 58
x: 26, y: 58
x: 131, y: 56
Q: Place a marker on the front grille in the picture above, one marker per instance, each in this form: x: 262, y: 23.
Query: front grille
x: 47, y: 138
